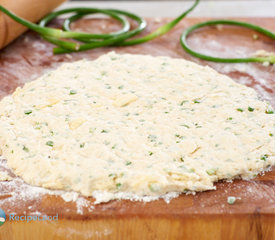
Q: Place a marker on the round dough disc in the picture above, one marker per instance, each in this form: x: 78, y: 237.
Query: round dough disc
x: 135, y: 124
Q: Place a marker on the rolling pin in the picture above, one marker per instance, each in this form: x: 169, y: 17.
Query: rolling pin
x: 32, y: 10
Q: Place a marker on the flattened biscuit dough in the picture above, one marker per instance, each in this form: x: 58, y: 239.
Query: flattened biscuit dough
x: 136, y: 124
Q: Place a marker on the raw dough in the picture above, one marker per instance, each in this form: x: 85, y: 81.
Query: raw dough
x: 136, y: 124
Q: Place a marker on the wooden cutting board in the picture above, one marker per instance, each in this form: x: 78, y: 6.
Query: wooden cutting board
x: 206, y: 215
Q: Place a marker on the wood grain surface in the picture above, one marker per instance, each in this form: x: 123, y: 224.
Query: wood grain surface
x: 206, y: 215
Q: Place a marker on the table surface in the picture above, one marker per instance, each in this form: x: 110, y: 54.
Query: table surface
x: 252, y: 216
x: 206, y: 8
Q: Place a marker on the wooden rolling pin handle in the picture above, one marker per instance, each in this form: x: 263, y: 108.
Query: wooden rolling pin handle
x: 32, y: 10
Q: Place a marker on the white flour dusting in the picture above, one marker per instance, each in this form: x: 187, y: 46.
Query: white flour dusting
x: 28, y: 193
x: 17, y: 190
x: 103, y: 196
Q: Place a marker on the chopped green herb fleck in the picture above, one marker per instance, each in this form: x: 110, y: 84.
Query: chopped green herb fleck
x: 197, y: 125
x: 73, y: 92
x: 152, y: 138
x: 114, y: 146
x: 197, y: 101
x: 112, y: 175
x: 182, y: 102
x: 121, y: 87
x: 82, y: 145
x: 231, y: 200
x: 128, y: 163
x: 269, y: 112
x: 37, y: 126
x: 264, y: 157
x: 103, y: 73
x: 49, y: 143
x: 150, y: 153
x: 28, y: 112
x: 250, y: 109
x: 25, y: 149
x: 270, y: 134
x: 211, y: 171
x: 230, y: 118
x: 104, y: 131
x: 240, y: 109
x: 153, y: 187
x: 91, y: 130
x: 118, y: 185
